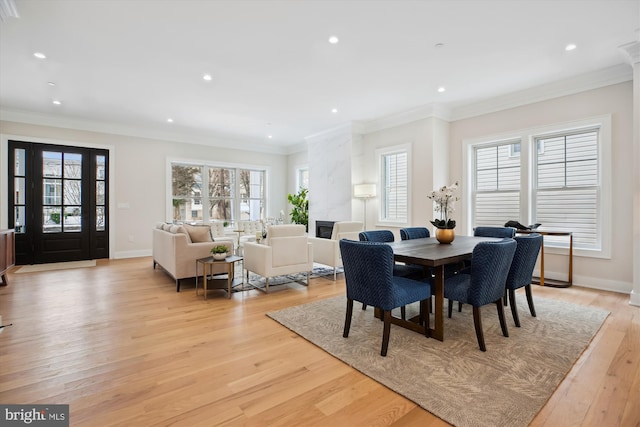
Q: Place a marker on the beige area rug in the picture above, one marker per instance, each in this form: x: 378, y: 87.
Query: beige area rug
x: 55, y: 266
x: 505, y: 386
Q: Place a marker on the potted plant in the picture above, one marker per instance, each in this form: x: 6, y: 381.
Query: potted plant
x: 300, y: 212
x: 444, y: 199
x: 219, y: 252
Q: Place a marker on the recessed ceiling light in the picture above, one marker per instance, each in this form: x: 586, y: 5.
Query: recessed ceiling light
x: 333, y: 40
x: 270, y: 136
x: 334, y: 110
x: 169, y: 120
x: 442, y: 89
x: 438, y: 45
x: 207, y: 77
x: 51, y: 83
x: 55, y: 101
x: 40, y: 55
x: 570, y: 47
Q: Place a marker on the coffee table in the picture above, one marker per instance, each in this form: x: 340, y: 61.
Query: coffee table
x: 221, y: 283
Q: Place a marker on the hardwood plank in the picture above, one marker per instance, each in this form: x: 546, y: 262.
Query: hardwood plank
x: 119, y: 345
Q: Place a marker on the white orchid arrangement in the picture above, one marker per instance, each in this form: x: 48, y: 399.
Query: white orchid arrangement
x: 444, y: 199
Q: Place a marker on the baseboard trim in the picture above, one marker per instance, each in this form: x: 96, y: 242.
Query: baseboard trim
x: 132, y: 254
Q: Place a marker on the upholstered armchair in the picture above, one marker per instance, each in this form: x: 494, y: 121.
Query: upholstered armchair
x: 327, y: 251
x: 286, y: 250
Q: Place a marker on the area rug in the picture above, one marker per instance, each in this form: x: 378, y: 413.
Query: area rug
x: 290, y: 279
x: 55, y: 266
x: 505, y: 386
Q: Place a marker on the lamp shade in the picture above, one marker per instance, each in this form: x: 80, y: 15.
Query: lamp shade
x: 364, y: 191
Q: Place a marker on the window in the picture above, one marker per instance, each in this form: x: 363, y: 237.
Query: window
x: 302, y: 180
x: 225, y: 193
x: 394, y: 173
x: 566, y: 190
x: 564, y: 183
x: 497, y: 184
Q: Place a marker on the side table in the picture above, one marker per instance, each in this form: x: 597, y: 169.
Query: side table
x: 226, y: 284
x: 551, y: 282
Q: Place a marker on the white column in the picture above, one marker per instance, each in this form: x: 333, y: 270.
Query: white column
x: 632, y: 51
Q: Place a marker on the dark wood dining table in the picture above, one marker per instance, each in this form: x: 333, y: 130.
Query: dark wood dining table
x: 430, y: 253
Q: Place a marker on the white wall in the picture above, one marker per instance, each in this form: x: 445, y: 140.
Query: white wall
x: 615, y: 273
x: 429, y: 166
x: 138, y: 177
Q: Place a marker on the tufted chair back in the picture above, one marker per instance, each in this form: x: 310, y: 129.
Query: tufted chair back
x: 494, y: 232
x: 414, y: 233
x: 384, y: 236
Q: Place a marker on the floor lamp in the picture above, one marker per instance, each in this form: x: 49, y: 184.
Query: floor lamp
x: 364, y: 192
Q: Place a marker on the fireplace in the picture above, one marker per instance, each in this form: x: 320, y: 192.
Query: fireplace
x: 324, y: 229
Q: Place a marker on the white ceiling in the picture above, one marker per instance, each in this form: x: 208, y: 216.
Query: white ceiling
x: 130, y: 65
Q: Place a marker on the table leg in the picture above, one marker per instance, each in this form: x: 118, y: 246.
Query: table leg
x: 204, y: 271
x: 542, y: 263
x: 196, y: 278
x: 438, y: 330
x: 230, y: 276
x: 570, y: 258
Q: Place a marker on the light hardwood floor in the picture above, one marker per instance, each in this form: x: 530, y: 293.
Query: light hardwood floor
x: 119, y: 345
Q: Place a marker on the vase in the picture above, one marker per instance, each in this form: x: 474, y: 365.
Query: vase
x: 445, y: 235
x: 219, y: 257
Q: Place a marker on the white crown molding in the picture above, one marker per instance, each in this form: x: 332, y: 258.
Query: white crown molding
x: 336, y: 131
x: 426, y: 111
x: 581, y: 83
x: 8, y: 10
x: 631, y: 52
x: 117, y: 129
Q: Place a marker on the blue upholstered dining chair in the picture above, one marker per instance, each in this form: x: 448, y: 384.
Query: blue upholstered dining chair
x: 521, y: 271
x: 368, y: 271
x: 409, y: 233
x: 414, y: 272
x: 484, y: 283
x: 499, y: 232
x: 485, y: 231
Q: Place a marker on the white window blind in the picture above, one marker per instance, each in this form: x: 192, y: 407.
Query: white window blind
x: 395, y: 192
x: 497, y: 184
x: 567, y: 186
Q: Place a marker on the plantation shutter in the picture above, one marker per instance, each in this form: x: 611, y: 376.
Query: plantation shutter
x: 567, y: 186
x: 395, y: 194
x: 497, y: 184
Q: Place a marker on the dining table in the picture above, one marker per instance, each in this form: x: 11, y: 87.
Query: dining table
x: 433, y: 255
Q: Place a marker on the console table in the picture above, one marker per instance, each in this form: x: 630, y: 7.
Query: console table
x: 7, y: 254
x: 551, y: 282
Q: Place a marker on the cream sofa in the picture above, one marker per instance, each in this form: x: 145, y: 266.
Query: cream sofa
x: 286, y: 250
x: 327, y: 251
x: 175, y: 252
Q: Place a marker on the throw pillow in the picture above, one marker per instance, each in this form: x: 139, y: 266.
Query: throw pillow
x: 199, y: 233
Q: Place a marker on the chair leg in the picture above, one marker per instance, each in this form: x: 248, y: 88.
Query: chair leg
x: 347, y: 319
x: 385, y: 332
x: 364, y: 306
x: 514, y: 309
x: 503, y: 321
x: 532, y: 309
x: 178, y: 285
x: 505, y: 300
x: 403, y: 312
x: 477, y: 322
x: 459, y: 307
x: 450, y: 307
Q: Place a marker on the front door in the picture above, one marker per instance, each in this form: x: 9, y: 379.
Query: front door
x: 58, y: 202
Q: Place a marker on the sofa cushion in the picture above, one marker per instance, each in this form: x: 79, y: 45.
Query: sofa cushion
x: 199, y: 233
